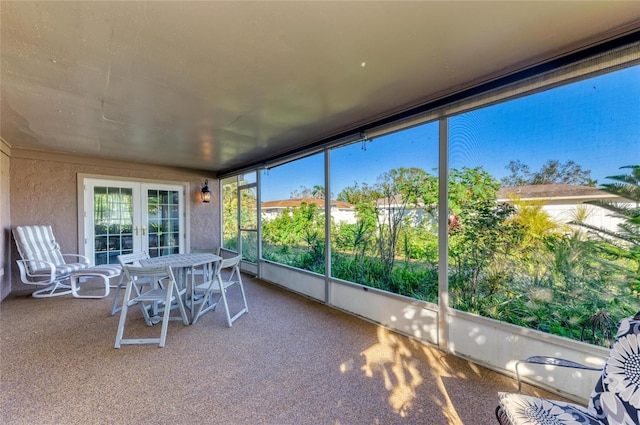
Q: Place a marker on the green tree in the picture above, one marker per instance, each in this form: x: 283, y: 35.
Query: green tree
x: 278, y: 230
x: 354, y: 243
x: 316, y: 192
x: 400, y: 190
x: 480, y: 249
x: 231, y: 220
x: 481, y: 239
x: 356, y: 194
x: 551, y: 172
x: 230, y: 215
x: 299, y: 233
x: 383, y: 210
x: 469, y: 189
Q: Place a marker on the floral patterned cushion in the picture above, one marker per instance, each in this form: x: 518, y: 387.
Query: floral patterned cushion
x: 614, y: 401
x: 616, y: 398
x: 528, y: 410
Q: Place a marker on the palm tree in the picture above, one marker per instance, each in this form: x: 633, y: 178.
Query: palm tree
x: 317, y: 192
x: 622, y: 243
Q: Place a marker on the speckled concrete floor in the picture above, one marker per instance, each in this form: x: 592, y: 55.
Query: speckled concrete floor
x: 289, y: 361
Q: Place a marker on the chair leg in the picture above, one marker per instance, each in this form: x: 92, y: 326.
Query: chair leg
x: 171, y: 293
x: 223, y: 296
x: 114, y: 306
x: 123, y: 314
x: 75, y: 281
x: 165, y: 317
x: 196, y: 313
x: 245, y: 309
x: 208, y: 275
x: 206, y: 299
x: 144, y: 309
x: 244, y: 298
x: 183, y: 311
x: 223, y: 285
x: 230, y: 319
x: 54, y: 290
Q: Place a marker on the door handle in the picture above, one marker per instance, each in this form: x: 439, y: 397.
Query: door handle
x: 137, y: 230
x: 144, y: 230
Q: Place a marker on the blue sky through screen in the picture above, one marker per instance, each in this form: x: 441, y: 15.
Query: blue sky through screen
x: 594, y: 122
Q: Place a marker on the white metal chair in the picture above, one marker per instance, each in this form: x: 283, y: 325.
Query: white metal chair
x: 132, y: 259
x: 220, y: 285
x: 165, y: 290
x: 201, y: 271
x: 42, y: 263
x: 214, y: 251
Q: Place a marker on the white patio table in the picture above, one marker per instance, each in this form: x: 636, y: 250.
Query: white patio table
x: 181, y: 263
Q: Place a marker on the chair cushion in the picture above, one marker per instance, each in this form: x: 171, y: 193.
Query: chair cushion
x: 68, y: 268
x: 529, y: 410
x: 616, y: 396
x: 107, y: 270
x: 38, y: 243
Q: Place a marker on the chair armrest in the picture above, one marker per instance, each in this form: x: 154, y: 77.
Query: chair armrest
x: 50, y: 274
x: 551, y: 361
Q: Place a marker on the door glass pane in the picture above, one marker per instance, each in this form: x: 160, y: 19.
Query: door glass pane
x: 163, y: 222
x: 113, y: 223
x: 128, y: 217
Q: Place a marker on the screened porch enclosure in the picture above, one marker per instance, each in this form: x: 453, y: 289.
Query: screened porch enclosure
x: 411, y: 223
x: 486, y: 227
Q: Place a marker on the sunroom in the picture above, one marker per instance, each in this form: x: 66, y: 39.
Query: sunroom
x: 465, y: 153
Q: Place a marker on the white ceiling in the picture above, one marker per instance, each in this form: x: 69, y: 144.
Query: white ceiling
x: 216, y: 85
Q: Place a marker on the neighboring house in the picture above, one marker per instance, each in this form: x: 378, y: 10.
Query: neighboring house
x: 563, y: 201
x: 341, y: 212
x: 416, y: 213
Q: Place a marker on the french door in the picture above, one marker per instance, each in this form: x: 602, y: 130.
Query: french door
x: 122, y: 217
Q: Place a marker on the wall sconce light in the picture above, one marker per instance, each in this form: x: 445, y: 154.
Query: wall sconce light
x: 206, y: 193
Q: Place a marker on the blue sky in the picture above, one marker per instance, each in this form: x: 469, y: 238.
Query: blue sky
x: 594, y: 122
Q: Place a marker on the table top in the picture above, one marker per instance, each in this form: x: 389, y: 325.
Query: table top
x: 181, y: 260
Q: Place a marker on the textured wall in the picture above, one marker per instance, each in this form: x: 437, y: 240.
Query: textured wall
x: 5, y: 222
x: 44, y: 191
x: 205, y: 218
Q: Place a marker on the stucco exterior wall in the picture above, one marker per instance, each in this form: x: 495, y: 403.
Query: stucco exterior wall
x: 43, y: 190
x: 5, y: 222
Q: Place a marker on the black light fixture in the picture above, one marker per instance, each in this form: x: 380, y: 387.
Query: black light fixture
x: 206, y: 193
